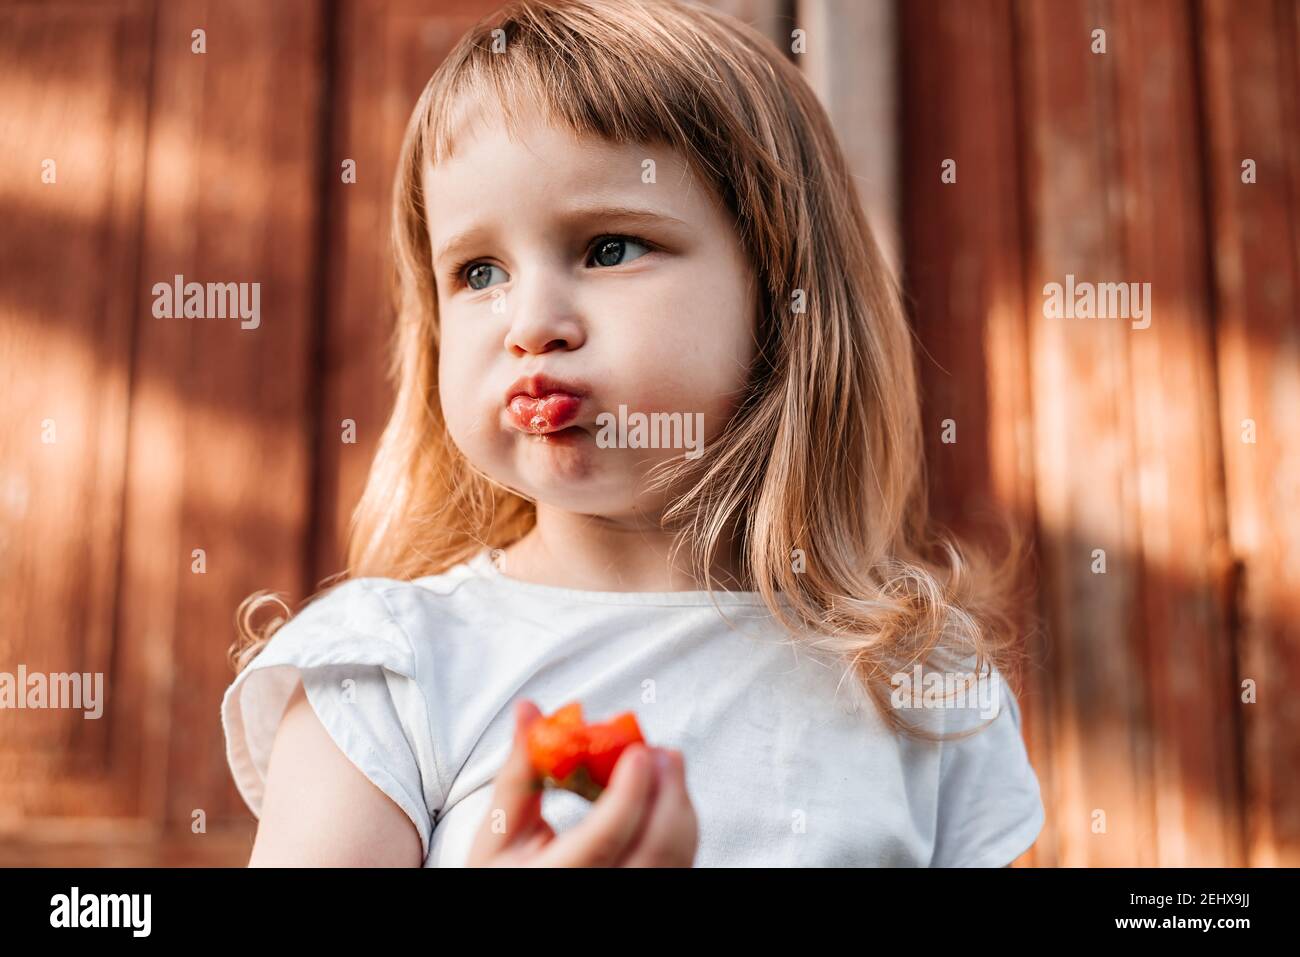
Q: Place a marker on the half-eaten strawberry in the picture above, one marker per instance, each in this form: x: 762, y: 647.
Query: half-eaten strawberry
x: 568, y: 753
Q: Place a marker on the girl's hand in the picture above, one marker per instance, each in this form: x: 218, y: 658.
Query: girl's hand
x: 643, y: 819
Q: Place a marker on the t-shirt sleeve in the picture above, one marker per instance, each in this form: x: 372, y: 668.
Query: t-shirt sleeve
x: 990, y: 809
x: 358, y: 670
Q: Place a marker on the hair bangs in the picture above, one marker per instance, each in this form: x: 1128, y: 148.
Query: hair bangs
x: 588, y: 72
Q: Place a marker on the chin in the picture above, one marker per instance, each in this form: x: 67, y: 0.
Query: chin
x: 573, y: 483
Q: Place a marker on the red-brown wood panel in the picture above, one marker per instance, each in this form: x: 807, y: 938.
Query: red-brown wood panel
x: 964, y: 280
x: 1145, y: 757
x: 1156, y: 197
x: 1251, y: 81
x: 1085, y: 468
x: 220, y: 441
x: 73, y: 81
x: 171, y: 434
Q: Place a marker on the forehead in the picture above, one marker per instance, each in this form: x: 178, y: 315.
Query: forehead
x: 538, y: 166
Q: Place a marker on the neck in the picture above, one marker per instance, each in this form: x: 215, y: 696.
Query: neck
x: 597, y: 553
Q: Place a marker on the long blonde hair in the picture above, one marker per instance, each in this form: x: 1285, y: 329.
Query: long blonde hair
x: 820, y: 472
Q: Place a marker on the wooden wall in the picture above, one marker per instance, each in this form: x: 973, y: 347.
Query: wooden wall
x: 129, y: 442
x: 1125, y: 165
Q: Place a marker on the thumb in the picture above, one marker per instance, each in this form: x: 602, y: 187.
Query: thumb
x: 516, y: 807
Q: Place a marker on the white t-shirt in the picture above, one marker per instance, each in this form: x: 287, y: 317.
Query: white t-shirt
x: 788, y: 762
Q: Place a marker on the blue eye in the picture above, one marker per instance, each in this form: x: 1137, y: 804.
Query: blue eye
x: 480, y: 274
x: 611, y: 250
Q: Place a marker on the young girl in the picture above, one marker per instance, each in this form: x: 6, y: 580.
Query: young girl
x: 618, y: 226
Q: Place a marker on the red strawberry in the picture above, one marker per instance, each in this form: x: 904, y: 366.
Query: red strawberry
x: 606, y: 742
x: 579, y: 757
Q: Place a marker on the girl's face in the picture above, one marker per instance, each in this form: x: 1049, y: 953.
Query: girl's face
x: 583, y: 276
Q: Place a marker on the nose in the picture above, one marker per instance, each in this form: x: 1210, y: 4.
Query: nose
x: 543, y: 317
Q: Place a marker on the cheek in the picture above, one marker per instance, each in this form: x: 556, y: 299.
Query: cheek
x: 691, y: 353
x: 457, y: 389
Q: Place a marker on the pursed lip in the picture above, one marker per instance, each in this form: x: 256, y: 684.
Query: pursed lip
x: 542, y: 405
x: 539, y: 385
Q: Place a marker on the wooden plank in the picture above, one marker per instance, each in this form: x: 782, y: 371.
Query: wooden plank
x: 220, y: 450
x: 964, y: 278
x: 1085, y: 465
x: 224, y: 847
x: 1155, y: 195
x: 74, y: 83
x: 1250, y: 78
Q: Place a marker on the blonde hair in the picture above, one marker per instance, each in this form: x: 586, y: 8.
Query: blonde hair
x: 824, y: 455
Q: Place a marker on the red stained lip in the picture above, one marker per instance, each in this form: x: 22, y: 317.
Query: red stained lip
x: 539, y: 404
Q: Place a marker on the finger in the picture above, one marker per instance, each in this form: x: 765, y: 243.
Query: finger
x: 671, y: 832
x: 515, y: 810
x: 614, y: 819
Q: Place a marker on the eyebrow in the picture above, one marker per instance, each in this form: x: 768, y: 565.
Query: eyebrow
x: 630, y: 216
